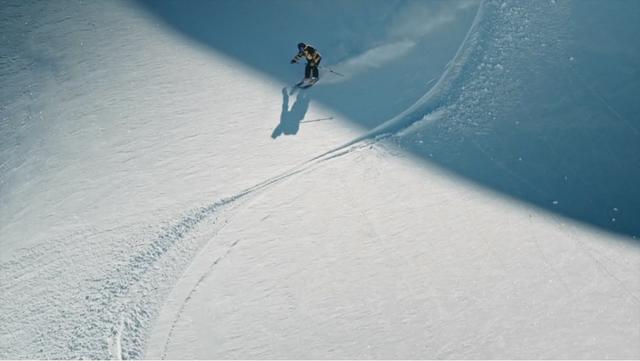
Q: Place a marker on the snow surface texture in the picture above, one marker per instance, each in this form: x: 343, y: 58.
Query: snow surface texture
x: 469, y: 189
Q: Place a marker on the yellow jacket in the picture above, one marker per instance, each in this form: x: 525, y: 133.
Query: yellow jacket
x: 313, y: 57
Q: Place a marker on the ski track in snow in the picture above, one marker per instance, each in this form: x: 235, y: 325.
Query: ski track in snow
x: 115, y: 342
x: 130, y: 319
x: 190, y: 295
x: 303, y: 167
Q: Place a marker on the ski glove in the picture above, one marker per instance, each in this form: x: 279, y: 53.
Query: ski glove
x: 293, y: 61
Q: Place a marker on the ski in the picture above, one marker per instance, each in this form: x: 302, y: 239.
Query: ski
x: 301, y: 85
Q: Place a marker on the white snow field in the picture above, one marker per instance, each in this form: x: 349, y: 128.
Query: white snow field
x: 467, y: 189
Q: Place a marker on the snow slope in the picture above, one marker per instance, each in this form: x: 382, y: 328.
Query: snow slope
x: 112, y: 153
x: 153, y: 204
x: 325, y: 270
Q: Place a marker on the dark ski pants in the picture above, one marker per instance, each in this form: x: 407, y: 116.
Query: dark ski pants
x: 309, y: 69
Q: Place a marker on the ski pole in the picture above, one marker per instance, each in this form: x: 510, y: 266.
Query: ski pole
x: 330, y: 70
x: 316, y: 120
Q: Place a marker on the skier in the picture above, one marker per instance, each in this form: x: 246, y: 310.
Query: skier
x: 313, y: 60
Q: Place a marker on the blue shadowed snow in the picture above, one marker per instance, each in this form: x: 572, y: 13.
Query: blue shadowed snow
x: 367, y: 41
x: 540, y: 102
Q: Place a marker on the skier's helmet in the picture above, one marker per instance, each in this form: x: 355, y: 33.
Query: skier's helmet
x: 301, y: 46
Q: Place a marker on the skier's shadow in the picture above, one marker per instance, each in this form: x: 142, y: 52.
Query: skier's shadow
x: 290, y: 118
